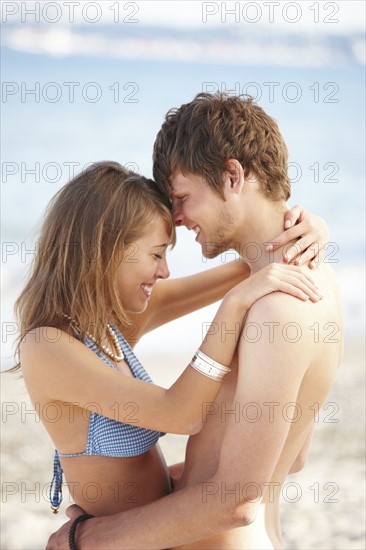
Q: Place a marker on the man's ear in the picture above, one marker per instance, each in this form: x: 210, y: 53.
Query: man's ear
x: 234, y: 176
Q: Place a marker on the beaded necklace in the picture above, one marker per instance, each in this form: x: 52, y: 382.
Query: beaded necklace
x: 116, y: 357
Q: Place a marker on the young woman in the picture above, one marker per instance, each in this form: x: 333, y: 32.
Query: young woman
x: 91, y: 295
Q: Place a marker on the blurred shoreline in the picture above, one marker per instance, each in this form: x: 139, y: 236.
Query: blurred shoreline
x: 323, y: 505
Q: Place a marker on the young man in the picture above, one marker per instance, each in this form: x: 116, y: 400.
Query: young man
x: 224, y: 164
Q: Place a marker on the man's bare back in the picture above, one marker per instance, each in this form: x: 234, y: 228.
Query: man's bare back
x: 312, y: 329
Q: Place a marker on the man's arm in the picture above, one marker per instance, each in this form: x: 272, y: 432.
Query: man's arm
x: 269, y: 372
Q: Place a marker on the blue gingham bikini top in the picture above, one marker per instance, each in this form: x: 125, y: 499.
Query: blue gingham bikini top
x: 107, y: 437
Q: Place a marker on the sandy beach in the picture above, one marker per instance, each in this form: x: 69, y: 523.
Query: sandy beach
x: 323, y: 505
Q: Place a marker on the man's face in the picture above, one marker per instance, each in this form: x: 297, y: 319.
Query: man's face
x: 201, y: 209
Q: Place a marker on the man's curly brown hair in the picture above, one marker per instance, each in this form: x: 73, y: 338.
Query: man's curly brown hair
x: 201, y: 136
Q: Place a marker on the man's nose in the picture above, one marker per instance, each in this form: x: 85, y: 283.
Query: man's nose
x: 177, y: 216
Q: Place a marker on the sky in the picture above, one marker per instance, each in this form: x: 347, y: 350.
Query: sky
x: 282, y: 13
x: 331, y: 17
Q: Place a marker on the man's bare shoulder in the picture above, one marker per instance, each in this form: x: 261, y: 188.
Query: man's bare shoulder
x: 283, y: 323
x: 294, y: 326
x: 280, y: 305
x: 285, y: 305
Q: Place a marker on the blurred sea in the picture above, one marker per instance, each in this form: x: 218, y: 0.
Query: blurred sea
x: 95, y: 106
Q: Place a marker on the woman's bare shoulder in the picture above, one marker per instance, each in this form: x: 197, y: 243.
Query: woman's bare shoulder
x: 45, y: 344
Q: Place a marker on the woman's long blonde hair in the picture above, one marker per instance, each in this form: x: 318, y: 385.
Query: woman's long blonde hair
x: 88, y: 226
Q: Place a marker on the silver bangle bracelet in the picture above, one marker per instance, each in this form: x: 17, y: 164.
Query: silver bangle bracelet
x: 212, y: 362
x: 209, y: 370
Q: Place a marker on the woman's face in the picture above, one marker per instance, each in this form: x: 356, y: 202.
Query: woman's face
x: 143, y: 264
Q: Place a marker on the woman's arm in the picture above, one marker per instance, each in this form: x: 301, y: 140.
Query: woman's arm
x: 60, y: 369
x: 177, y: 297
x: 174, y: 298
x: 311, y: 233
x: 65, y: 370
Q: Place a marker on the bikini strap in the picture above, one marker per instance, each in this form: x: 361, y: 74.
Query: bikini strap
x: 56, y: 485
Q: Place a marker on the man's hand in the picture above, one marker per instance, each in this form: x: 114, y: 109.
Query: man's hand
x: 60, y: 539
x: 311, y: 232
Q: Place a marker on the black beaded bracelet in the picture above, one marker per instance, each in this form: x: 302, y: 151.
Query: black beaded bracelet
x: 72, y: 532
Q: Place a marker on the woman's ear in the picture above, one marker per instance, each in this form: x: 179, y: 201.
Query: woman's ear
x: 234, y: 176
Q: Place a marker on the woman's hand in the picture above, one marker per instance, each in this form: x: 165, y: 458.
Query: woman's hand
x: 311, y: 232
x: 273, y: 278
